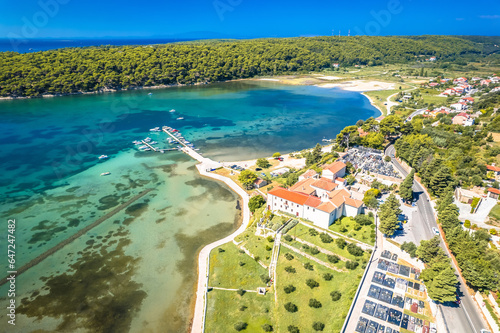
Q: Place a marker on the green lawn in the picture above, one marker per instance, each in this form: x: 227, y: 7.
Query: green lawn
x: 331, y: 313
x: 301, y: 231
x: 321, y: 256
x: 363, y: 235
x: 224, y: 311
x: 226, y: 272
x: 495, y: 212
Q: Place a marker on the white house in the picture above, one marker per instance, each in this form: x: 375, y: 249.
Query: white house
x: 459, y: 106
x: 321, y: 200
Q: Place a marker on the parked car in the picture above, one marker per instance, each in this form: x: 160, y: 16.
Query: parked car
x: 435, y: 231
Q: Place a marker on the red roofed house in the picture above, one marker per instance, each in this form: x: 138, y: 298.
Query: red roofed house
x: 321, y: 200
x: 433, y: 84
x: 460, y: 80
x: 485, y: 82
x: 495, y: 169
x: 493, y: 193
x: 259, y: 182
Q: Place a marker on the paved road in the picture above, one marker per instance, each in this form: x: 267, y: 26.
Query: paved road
x: 463, y: 318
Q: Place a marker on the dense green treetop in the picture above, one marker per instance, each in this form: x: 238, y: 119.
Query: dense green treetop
x: 74, y: 70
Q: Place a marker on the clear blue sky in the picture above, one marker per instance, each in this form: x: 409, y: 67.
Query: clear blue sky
x: 245, y: 18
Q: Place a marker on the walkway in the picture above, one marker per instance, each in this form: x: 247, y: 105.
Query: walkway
x: 313, y: 258
x: 198, y: 324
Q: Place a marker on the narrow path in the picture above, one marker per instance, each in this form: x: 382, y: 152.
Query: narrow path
x: 82, y: 232
x: 198, y: 324
x: 228, y: 289
x: 391, y: 103
x: 313, y: 259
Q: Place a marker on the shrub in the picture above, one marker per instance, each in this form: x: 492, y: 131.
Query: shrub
x: 325, y: 238
x: 313, y: 232
x: 354, y: 250
x: 290, y: 269
x: 370, y: 214
x: 267, y: 328
x: 333, y: 258
x: 256, y: 258
x: 314, y: 303
x: 340, y: 242
x: 467, y: 224
x: 240, y: 326
x: 221, y: 250
x: 289, y: 289
x: 241, y: 292
x: 351, y: 264
x: 410, y: 248
x: 241, y: 263
x: 318, y: 326
x: 289, y: 256
x: 493, y: 232
x: 308, y: 266
x: 357, y: 227
x: 290, y: 307
x: 288, y: 238
x: 335, y: 295
x: 243, y: 308
x: 305, y: 246
x: 241, y: 251
x: 314, y: 250
x: 268, y: 248
x: 312, y: 284
x: 293, y: 329
x: 264, y: 278
x: 270, y: 239
x: 327, y: 276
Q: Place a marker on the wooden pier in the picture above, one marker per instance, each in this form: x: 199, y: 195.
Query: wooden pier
x: 152, y: 148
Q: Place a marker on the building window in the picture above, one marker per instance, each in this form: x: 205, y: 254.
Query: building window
x: 314, y: 210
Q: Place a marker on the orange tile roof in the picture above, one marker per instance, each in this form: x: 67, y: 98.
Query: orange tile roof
x: 353, y: 202
x: 337, y: 197
x: 340, y: 179
x: 494, y: 190
x: 304, y: 186
x: 327, y: 207
x: 324, y: 185
x: 336, y: 166
x: 309, y: 173
x: 313, y: 201
x: 492, y: 168
x: 295, y: 197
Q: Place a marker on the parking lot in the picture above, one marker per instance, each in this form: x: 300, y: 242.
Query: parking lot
x: 370, y: 161
x: 386, y: 299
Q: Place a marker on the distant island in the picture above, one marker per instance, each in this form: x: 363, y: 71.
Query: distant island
x: 95, y: 69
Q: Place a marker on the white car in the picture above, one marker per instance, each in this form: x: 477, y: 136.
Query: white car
x: 435, y: 230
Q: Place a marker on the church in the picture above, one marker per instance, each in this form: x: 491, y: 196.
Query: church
x: 319, y: 198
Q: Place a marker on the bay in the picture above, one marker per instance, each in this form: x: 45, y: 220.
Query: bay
x: 136, y: 270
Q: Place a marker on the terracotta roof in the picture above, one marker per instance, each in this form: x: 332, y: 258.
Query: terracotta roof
x: 313, y: 201
x: 337, y: 197
x: 324, y: 185
x: 340, y: 179
x: 327, y: 207
x: 304, y: 186
x: 462, y: 114
x: 493, y: 168
x: 258, y: 181
x: 309, y: 173
x: 353, y: 202
x: 362, y: 133
x: 494, y: 190
x: 336, y: 166
x: 295, y: 197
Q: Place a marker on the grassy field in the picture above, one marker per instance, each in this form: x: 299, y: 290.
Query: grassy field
x: 301, y: 231
x: 495, y: 212
x: 226, y: 271
x: 331, y: 313
x: 224, y: 310
x: 256, y: 245
x: 363, y: 235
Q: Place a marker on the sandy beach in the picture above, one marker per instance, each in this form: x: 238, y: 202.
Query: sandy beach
x: 359, y: 85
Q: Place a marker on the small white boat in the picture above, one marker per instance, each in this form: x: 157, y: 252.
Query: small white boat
x: 103, y: 157
x: 105, y: 173
x: 147, y: 140
x: 143, y: 147
x: 153, y: 142
x: 180, y: 118
x: 172, y: 110
x: 156, y: 129
x: 135, y: 142
x: 150, y: 94
x: 147, y: 149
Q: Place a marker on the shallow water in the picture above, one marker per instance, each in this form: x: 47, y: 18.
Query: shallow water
x: 136, y: 270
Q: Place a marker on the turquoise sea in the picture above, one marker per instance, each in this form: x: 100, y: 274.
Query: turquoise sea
x: 136, y: 271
